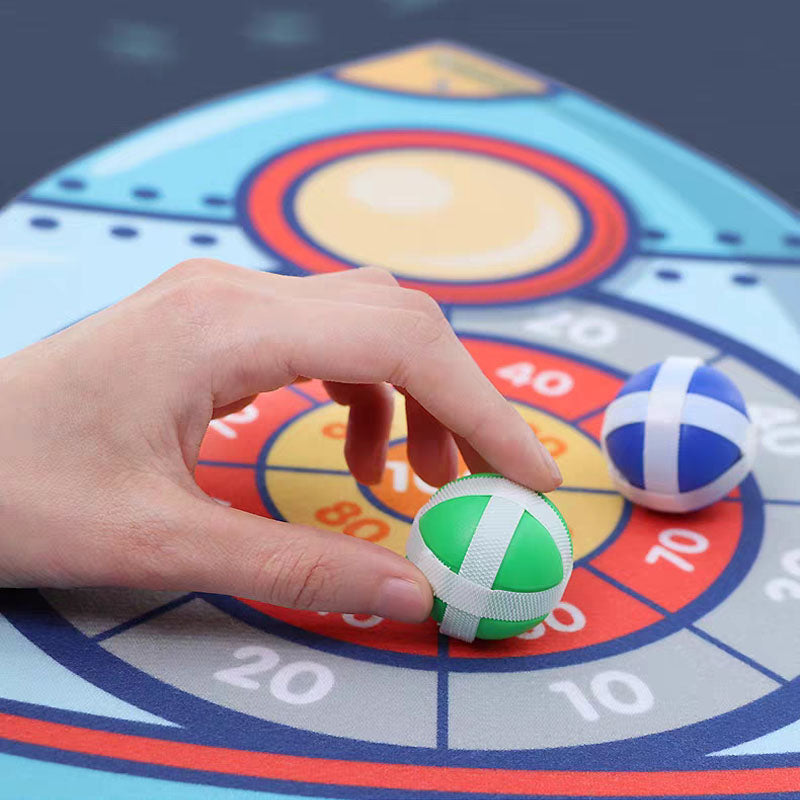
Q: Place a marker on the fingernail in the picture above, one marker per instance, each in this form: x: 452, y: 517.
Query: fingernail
x: 403, y: 600
x: 555, y: 472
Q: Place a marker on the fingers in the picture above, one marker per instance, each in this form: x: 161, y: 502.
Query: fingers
x: 431, y: 449
x: 360, y: 336
x: 421, y: 354
x: 368, y: 426
x: 226, y: 551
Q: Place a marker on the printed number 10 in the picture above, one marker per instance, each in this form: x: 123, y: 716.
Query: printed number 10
x: 637, y: 697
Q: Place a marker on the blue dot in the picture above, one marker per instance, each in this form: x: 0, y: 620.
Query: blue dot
x: 204, y: 239
x: 44, y: 223
x: 669, y: 275
x: 745, y: 280
x: 215, y: 200
x: 124, y: 232
x: 792, y: 240
x: 729, y: 237
x: 73, y: 184
x: 653, y: 233
x: 146, y: 193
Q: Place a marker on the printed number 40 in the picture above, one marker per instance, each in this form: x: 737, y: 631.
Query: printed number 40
x: 548, y: 382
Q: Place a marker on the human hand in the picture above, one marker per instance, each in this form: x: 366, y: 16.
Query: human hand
x: 101, y: 426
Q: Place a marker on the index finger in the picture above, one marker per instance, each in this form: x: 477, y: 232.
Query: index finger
x: 408, y: 347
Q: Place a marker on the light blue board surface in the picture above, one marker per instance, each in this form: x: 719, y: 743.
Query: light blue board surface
x: 784, y: 740
x: 707, y: 293
x: 28, y: 675
x: 211, y: 149
x: 24, y: 778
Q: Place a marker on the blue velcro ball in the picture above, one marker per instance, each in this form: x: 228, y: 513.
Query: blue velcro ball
x: 678, y: 437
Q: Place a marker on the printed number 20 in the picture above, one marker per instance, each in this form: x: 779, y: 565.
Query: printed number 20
x: 265, y: 660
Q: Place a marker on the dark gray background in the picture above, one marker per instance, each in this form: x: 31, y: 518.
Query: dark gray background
x: 720, y: 74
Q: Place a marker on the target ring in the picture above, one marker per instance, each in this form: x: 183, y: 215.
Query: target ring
x: 302, y: 457
x: 382, y: 513
x: 406, y: 200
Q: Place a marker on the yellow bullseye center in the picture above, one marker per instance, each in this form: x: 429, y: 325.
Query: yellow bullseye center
x: 426, y: 212
x: 321, y: 492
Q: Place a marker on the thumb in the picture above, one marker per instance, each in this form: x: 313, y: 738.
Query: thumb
x: 227, y: 551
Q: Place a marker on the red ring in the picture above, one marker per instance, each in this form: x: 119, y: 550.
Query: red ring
x: 267, y: 192
x: 386, y: 775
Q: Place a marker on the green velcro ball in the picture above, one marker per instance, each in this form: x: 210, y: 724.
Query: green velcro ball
x: 497, y: 555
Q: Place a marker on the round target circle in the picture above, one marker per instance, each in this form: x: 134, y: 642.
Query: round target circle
x: 406, y: 200
x: 302, y: 477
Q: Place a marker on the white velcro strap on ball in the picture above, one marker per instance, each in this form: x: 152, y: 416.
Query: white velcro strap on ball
x: 662, y: 425
x: 625, y: 410
x: 479, y: 600
x: 717, y: 417
x: 459, y: 624
x: 699, y: 410
x: 491, y: 539
x: 483, y: 558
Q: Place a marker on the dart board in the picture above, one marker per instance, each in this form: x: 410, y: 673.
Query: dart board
x: 569, y: 246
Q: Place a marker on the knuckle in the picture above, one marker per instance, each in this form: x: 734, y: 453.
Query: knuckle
x: 312, y: 583
x: 377, y: 275
x: 188, y: 308
x: 426, y: 329
x: 192, y: 291
x: 193, y: 269
x: 294, y: 578
x: 418, y: 300
x: 418, y: 334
